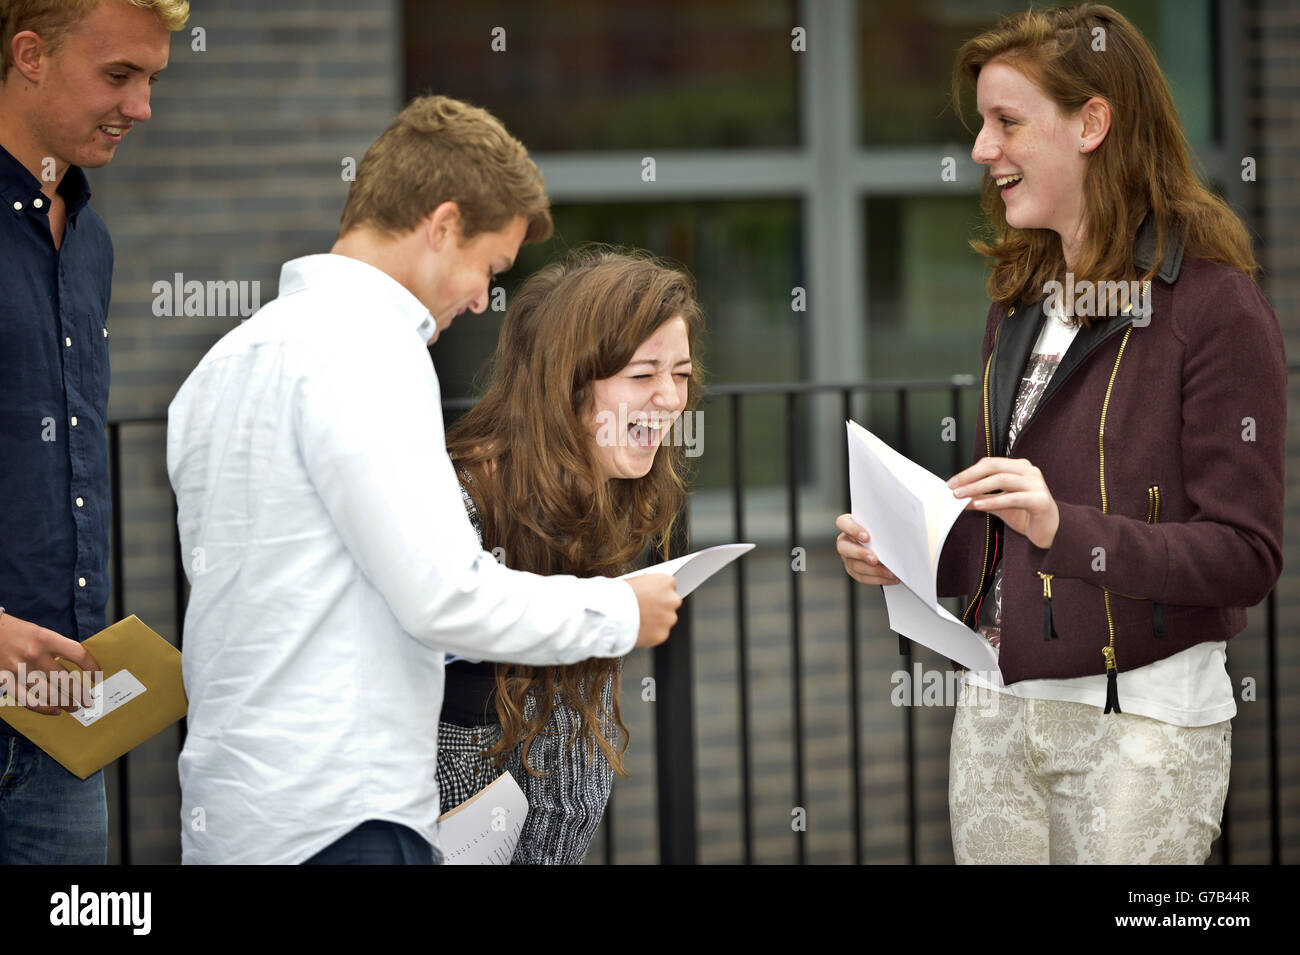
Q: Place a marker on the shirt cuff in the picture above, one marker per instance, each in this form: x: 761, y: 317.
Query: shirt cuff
x: 617, y: 616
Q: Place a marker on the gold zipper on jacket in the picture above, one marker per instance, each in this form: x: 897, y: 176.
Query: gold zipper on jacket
x: 1108, y: 652
x: 1049, y: 628
x: 988, y: 451
x: 1153, y: 517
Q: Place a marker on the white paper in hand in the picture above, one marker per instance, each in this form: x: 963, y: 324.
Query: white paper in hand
x: 484, y: 829
x: 909, y: 511
x: 694, y: 569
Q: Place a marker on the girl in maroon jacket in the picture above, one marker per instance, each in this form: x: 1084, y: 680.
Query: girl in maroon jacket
x: 1127, y: 494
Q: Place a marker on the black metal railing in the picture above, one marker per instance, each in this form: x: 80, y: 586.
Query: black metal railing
x: 672, y: 662
x: 673, y: 657
x: 676, y: 652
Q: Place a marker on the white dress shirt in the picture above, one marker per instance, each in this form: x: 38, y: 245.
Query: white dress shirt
x: 332, y: 565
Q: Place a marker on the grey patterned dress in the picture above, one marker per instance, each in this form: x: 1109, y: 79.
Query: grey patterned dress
x: 565, y: 806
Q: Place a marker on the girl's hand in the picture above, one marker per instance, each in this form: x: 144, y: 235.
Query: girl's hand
x: 1015, y: 490
x: 860, y: 561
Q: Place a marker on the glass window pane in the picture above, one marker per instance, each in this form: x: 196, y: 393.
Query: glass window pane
x: 927, y: 307
x: 926, y: 286
x: 667, y: 74
x: 906, y: 52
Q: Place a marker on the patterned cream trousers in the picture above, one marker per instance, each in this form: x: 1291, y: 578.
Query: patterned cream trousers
x: 1048, y: 781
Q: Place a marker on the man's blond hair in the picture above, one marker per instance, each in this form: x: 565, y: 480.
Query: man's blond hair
x: 52, y: 19
x: 442, y: 150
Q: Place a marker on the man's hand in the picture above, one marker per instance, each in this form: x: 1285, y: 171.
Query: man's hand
x: 656, y: 596
x: 36, y: 650
x: 1015, y: 490
x: 860, y: 561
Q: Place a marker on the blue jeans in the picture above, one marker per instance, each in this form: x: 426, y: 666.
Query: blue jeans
x: 47, y: 815
x: 378, y: 843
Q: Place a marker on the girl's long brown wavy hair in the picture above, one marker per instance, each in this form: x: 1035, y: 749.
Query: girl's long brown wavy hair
x: 529, y: 452
x: 1142, y: 168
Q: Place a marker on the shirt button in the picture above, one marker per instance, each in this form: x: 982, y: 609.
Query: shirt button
x: 18, y: 207
x: 81, y: 581
x: 81, y: 502
x: 38, y: 202
x: 74, y: 421
x: 66, y: 341
x: 106, y: 333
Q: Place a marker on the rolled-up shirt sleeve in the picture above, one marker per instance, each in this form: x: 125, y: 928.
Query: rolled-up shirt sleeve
x: 369, y: 422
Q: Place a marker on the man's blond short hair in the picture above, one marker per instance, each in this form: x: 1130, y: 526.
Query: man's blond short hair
x: 52, y: 19
x: 442, y: 150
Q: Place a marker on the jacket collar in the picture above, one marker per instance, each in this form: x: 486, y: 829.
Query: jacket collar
x: 1021, y: 326
x: 1144, y: 252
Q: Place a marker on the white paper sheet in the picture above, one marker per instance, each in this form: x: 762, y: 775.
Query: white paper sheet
x: 909, y: 511
x: 694, y: 569
x: 484, y: 829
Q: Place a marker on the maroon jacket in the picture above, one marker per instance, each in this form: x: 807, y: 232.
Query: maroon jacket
x: 1171, y: 518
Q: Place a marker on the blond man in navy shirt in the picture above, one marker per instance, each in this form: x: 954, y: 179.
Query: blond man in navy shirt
x: 75, y: 77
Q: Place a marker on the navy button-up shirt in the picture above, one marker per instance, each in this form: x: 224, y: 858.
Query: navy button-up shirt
x: 54, y: 492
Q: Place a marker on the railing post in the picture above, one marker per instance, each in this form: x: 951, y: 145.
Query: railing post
x: 675, y: 730
x: 180, y: 597
x: 119, y: 611
x: 742, y: 632
x: 1274, y: 757
x: 796, y: 624
x: 905, y: 650
x: 855, y: 690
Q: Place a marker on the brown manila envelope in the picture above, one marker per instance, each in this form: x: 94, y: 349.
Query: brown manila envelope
x: 141, y: 695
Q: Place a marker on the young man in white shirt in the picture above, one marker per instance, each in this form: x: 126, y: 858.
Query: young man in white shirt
x: 331, y: 561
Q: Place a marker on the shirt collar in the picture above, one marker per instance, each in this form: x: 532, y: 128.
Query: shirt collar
x: 349, y: 274
x: 18, y: 185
